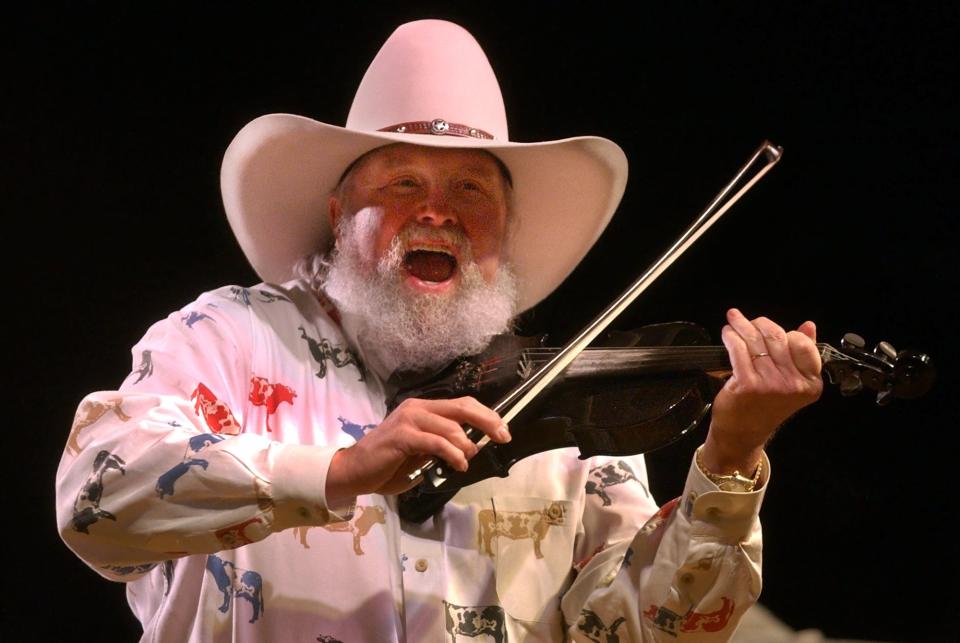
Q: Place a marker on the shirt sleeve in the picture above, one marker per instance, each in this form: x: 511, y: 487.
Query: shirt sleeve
x: 689, y: 573
x: 161, y: 467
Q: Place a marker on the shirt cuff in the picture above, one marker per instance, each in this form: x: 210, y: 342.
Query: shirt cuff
x: 299, y: 487
x: 733, y: 512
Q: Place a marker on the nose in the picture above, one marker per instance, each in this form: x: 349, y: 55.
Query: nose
x: 437, y: 211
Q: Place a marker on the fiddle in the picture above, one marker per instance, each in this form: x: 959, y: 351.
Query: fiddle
x: 684, y: 384
x: 637, y: 392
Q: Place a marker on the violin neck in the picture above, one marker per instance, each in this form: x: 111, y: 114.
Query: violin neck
x: 601, y: 362
x: 595, y: 362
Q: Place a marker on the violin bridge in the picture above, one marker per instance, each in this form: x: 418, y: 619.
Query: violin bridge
x: 524, y: 366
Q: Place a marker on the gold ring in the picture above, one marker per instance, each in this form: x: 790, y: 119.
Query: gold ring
x: 752, y: 357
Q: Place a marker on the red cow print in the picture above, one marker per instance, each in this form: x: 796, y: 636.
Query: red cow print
x: 235, y: 535
x: 672, y: 622
x: 214, y: 412
x: 263, y: 393
x: 709, y: 621
x: 659, y: 518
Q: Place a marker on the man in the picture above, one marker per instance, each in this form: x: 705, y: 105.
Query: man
x: 243, y: 479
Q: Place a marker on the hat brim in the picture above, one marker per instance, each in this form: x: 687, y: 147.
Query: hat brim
x: 279, y: 170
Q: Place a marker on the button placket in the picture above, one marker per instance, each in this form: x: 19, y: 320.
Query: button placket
x: 424, y: 587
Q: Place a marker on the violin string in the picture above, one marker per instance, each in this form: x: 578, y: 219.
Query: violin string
x: 603, y: 352
x: 653, y: 350
x: 652, y: 356
x: 631, y: 357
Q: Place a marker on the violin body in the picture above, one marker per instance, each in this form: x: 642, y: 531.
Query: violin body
x: 639, y: 391
x: 601, y: 412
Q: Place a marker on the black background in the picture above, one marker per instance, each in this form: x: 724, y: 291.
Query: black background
x: 116, y: 118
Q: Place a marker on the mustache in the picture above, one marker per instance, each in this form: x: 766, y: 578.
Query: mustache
x: 451, y: 235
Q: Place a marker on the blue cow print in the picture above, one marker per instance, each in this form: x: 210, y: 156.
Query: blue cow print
x: 241, y: 583
x: 194, y: 317
x: 355, y: 431
x: 146, y: 366
x: 197, y: 443
x: 242, y: 295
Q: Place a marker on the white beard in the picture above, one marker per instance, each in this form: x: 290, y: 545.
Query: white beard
x: 399, y: 328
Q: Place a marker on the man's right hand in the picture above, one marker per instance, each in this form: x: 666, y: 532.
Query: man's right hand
x: 415, y: 431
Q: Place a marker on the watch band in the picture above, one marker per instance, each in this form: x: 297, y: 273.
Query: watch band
x: 733, y: 481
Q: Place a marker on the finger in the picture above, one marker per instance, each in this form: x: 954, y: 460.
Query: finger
x: 775, y: 339
x: 753, y: 338
x: 739, y: 354
x: 467, y: 410
x: 809, y: 329
x: 422, y: 442
x: 446, y: 428
x: 805, y: 353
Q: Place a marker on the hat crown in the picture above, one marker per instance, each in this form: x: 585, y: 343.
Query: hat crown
x: 427, y: 70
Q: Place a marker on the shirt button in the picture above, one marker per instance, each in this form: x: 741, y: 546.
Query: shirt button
x: 421, y: 565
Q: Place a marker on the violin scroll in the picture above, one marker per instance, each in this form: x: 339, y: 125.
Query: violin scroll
x: 892, y: 373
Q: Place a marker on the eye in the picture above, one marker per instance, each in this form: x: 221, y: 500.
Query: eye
x: 405, y: 183
x: 473, y: 187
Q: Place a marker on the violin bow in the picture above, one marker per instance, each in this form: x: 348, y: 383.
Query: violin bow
x: 762, y: 160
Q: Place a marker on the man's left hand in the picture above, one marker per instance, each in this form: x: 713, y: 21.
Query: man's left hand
x: 775, y: 374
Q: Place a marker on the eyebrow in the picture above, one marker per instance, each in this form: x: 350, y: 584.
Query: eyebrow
x: 482, y: 171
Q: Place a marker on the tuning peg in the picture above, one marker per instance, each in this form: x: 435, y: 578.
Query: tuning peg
x: 852, y: 340
x: 885, y: 349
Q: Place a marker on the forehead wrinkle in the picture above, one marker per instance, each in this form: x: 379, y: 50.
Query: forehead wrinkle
x: 483, y: 170
x: 393, y: 157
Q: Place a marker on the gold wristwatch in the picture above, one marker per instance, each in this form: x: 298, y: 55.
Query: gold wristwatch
x: 733, y: 481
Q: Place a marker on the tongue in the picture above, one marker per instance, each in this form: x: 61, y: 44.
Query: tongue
x: 429, y: 266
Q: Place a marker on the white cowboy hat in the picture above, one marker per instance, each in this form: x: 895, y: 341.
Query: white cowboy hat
x: 430, y: 84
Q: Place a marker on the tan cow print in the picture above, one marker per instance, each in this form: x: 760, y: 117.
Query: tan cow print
x: 363, y: 521
x: 88, y: 413
x: 518, y: 525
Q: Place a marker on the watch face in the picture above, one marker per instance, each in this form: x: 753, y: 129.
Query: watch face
x: 732, y: 482
x: 736, y: 484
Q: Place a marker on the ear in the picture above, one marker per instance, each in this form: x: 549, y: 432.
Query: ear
x: 335, y: 212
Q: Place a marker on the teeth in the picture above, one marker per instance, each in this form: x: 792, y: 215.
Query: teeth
x: 427, y: 248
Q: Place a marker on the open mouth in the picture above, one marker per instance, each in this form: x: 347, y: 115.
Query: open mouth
x: 435, y: 266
